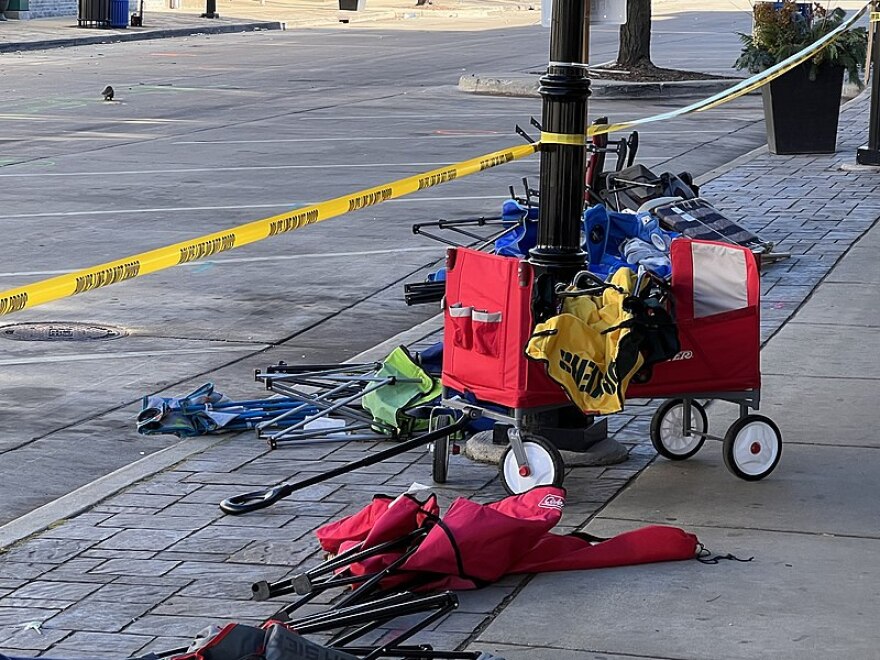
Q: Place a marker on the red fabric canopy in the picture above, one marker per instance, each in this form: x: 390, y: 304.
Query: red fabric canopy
x: 473, y: 544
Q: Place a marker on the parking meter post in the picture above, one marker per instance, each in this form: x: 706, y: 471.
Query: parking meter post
x: 210, y: 9
x: 870, y: 153
x: 564, y: 90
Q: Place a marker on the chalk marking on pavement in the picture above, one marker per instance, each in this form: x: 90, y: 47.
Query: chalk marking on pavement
x: 180, y: 209
x: 93, y: 357
x: 250, y: 260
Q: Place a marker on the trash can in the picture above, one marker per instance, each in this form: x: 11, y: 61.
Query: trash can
x: 352, y: 5
x: 118, y: 13
x: 93, y: 13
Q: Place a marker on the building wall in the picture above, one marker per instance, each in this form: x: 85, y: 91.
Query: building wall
x: 45, y: 8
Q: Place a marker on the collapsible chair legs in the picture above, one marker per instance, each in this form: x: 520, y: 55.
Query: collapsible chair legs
x: 326, y: 390
x: 308, y: 585
x: 368, y: 617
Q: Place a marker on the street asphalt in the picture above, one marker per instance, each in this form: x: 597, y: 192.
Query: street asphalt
x: 227, y: 129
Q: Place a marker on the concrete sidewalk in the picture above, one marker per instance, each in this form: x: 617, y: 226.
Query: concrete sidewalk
x: 811, y: 590
x: 251, y: 15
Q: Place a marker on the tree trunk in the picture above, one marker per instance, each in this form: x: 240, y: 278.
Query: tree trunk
x: 635, y: 35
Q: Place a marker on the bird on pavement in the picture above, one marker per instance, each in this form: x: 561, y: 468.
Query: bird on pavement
x: 107, y: 93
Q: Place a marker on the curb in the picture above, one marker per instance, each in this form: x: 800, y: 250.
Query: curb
x: 92, y: 493
x: 115, y: 37
x: 87, y: 496
x: 527, y: 86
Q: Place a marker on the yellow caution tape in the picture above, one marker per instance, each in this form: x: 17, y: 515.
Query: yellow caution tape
x: 88, y: 279
x: 725, y: 96
x: 113, y: 272
x: 748, y: 85
x: 562, y: 138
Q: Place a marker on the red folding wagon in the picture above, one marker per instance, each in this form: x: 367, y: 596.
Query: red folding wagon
x: 715, y: 294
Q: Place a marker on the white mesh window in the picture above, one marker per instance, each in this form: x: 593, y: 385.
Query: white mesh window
x: 719, y: 279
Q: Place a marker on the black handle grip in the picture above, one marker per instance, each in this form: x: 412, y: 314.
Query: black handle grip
x: 255, y: 500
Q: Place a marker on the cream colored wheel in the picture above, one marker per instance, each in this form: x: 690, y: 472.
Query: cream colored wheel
x: 544, y: 468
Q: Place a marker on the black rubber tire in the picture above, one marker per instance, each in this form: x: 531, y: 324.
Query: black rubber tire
x: 656, y: 430
x: 730, y: 445
x: 533, y: 443
x: 440, y: 460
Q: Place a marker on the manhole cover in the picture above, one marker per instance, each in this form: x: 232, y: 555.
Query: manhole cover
x: 58, y: 331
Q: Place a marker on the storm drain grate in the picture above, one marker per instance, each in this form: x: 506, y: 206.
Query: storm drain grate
x: 61, y: 331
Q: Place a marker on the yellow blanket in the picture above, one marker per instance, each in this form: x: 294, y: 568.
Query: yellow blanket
x: 593, y: 368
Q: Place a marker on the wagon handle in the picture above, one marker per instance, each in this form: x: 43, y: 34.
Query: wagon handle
x: 260, y: 499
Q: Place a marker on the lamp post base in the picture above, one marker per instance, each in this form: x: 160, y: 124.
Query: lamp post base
x: 867, y: 156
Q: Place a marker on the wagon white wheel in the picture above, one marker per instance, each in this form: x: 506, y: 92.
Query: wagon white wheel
x: 667, y: 430
x: 545, y: 467
x: 752, y: 447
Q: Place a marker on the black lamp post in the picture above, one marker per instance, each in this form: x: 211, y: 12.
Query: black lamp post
x: 210, y: 9
x: 870, y: 153
x: 565, y: 89
x: 558, y: 254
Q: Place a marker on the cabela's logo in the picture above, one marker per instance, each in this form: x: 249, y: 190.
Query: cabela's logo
x: 552, y: 502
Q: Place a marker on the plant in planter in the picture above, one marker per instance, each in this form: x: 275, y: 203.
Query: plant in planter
x: 801, y: 107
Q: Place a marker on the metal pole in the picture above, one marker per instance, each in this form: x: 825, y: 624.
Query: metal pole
x: 565, y: 89
x: 211, y: 9
x: 870, y: 153
x: 585, y: 53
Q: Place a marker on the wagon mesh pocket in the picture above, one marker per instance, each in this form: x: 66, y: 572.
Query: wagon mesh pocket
x: 486, y: 332
x: 461, y: 319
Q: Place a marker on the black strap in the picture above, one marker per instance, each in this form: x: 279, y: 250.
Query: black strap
x: 704, y: 556
x: 458, y: 559
x: 588, y: 537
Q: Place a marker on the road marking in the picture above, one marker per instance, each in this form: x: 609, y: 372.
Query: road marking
x: 88, y: 357
x: 82, y: 137
x: 419, y: 117
x: 248, y: 260
x: 146, y: 120
x: 178, y: 209
x: 241, y: 168
x: 353, y: 138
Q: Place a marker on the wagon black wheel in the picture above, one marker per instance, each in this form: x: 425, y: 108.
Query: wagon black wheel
x: 545, y: 467
x: 440, y: 463
x: 667, y: 430
x: 752, y: 447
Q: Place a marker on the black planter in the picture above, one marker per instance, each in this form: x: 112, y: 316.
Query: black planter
x: 801, y: 114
